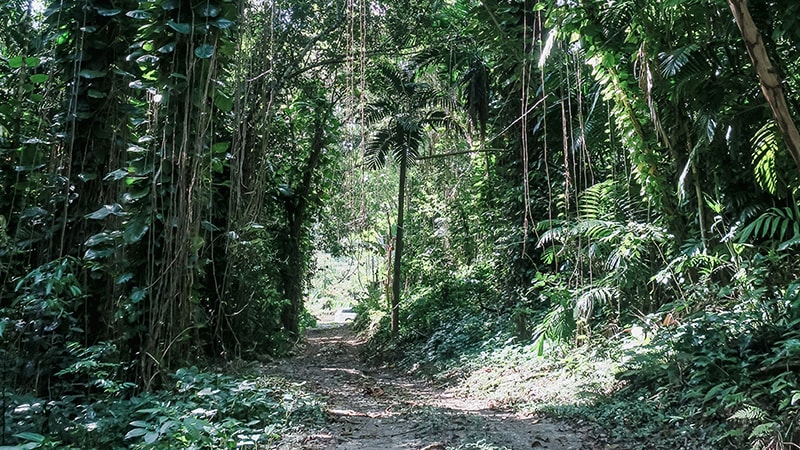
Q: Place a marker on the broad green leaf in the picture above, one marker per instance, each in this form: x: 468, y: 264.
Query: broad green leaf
x: 99, y: 238
x: 222, y: 23
x: 33, y: 61
x: 28, y: 436
x: 209, y: 10
x: 136, y: 432
x: 93, y: 254
x: 138, y: 14
x: 132, y: 196
x: 138, y: 294
x: 15, y: 62
x: 151, y: 437
x: 183, y: 28
x: 169, y: 5
x: 108, y: 12
x: 134, y: 231
x: 116, y: 175
x: 39, y: 78
x: 220, y: 147
x: 124, y: 278
x: 114, y: 209
x: 90, y: 74
x: 204, y: 51
x: 167, y: 48
x: 223, y: 102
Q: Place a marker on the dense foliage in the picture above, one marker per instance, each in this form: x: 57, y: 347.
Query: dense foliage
x: 569, y: 173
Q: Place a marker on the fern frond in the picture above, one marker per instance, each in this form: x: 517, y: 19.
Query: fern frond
x: 766, y: 145
x: 749, y: 412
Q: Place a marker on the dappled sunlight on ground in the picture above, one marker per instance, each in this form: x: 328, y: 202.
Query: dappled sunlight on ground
x: 378, y: 408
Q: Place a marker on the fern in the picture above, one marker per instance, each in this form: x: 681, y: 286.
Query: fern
x: 764, y: 430
x: 749, y: 413
x: 765, y: 152
x: 776, y: 224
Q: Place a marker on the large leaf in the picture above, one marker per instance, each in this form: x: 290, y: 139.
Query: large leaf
x: 114, y: 209
x: 204, y: 51
x: 134, y: 231
x: 183, y: 28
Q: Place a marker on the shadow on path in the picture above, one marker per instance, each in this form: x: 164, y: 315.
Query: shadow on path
x: 382, y: 410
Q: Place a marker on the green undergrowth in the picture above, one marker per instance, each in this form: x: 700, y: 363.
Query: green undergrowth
x: 725, y: 379
x: 198, y: 410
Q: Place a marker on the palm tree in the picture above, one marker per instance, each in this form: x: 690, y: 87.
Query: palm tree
x: 402, y: 119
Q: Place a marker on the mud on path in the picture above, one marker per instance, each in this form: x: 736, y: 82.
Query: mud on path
x: 378, y: 409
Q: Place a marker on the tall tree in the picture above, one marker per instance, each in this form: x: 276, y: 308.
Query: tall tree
x: 771, y: 82
x: 402, y: 118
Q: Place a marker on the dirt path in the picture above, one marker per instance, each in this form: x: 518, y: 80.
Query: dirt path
x: 381, y: 410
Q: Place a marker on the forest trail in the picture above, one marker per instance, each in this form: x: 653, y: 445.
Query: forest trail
x: 379, y: 409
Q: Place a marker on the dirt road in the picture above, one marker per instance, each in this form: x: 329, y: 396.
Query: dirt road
x: 378, y: 409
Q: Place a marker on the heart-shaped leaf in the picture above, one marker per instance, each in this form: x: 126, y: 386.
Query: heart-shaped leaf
x: 204, y: 51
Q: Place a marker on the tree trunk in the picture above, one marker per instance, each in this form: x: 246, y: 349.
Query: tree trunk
x: 768, y: 76
x: 398, y: 250
x: 294, y: 272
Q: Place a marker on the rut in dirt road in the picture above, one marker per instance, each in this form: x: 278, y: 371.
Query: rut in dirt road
x: 382, y: 410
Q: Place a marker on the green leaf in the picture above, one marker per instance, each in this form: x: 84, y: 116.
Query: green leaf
x: 90, y: 74
x: 183, y: 28
x: 169, y: 5
x: 124, y: 278
x: 204, y: 51
x: 223, y: 102
x: 150, y: 437
x: 222, y: 23
x: 108, y: 12
x: 167, y: 48
x: 33, y: 61
x: 136, y: 432
x: 99, y: 238
x: 15, y: 62
x: 220, y: 147
x: 138, y: 294
x: 93, y: 254
x: 39, y: 78
x: 116, y: 175
x: 210, y: 10
x: 107, y: 210
x: 134, y: 195
x: 94, y: 93
x: 138, y: 14
x: 28, y: 436
x: 134, y: 231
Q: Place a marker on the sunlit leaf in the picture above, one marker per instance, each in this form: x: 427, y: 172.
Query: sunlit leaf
x: 15, y: 62
x: 108, y: 12
x: 91, y: 74
x: 167, y: 48
x: 222, y: 23
x: 138, y: 14
x: 39, y: 78
x: 114, y: 209
x: 136, y: 432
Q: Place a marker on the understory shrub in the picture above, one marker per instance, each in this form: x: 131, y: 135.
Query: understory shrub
x: 200, y: 410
